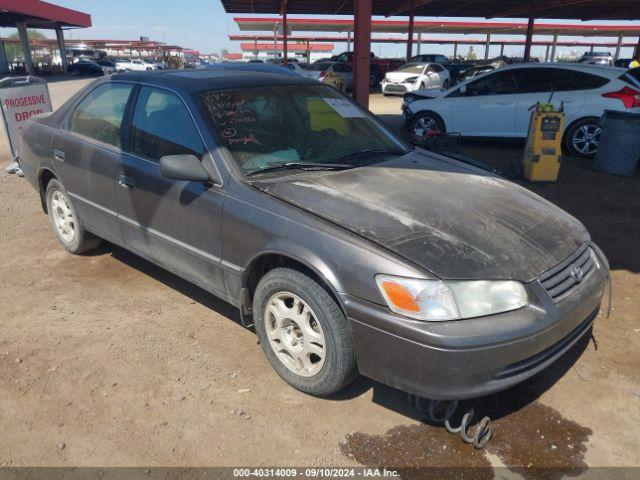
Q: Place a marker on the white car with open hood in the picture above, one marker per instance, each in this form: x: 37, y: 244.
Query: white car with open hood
x: 415, y: 76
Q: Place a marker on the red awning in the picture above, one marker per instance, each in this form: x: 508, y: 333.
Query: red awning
x: 293, y: 47
x: 39, y: 14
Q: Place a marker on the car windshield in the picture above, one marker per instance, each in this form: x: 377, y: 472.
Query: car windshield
x: 267, y: 127
x: 412, y: 68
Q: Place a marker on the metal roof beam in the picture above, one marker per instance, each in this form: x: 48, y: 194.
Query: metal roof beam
x: 524, y: 9
x: 406, y: 6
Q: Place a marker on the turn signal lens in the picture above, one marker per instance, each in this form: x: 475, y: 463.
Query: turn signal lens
x: 400, y: 296
x: 418, y: 298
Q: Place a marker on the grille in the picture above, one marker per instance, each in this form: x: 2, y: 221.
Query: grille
x: 396, y: 88
x: 560, y: 281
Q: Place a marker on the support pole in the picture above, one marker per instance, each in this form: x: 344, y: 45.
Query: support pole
x: 501, y: 49
x: 419, y: 41
x: 553, y: 47
x: 591, y: 49
x: 255, y: 48
x: 362, y: 53
x: 24, y: 39
x: 284, y: 34
x: 349, y: 41
x: 546, y: 55
x: 487, y: 46
x: 410, y: 39
x: 308, y: 52
x: 530, y: 25
x: 455, y: 50
x: 618, y: 47
x: 275, y: 41
x: 62, y: 49
x: 636, y: 51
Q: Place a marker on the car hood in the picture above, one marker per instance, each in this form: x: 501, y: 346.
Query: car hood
x: 454, y: 220
x: 429, y: 93
x: 401, y: 76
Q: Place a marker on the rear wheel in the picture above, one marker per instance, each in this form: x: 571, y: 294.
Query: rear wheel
x: 303, y: 332
x: 65, y: 221
x: 583, y: 137
x: 425, y: 122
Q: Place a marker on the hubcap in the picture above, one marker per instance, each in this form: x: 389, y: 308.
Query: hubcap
x: 425, y: 125
x: 295, y: 334
x: 586, y: 139
x: 63, y: 216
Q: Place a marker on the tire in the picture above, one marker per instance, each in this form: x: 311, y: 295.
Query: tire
x: 446, y: 84
x: 65, y: 221
x: 581, y: 139
x: 422, y: 86
x: 293, y: 316
x: 423, y: 121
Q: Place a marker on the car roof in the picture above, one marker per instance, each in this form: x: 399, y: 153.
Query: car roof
x: 603, y: 70
x: 213, y: 79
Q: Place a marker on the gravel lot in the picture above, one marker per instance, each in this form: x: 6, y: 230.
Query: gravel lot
x: 107, y: 360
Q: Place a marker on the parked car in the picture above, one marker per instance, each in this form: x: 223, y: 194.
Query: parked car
x: 597, y: 58
x: 108, y: 67
x: 415, y: 76
x: 483, y: 66
x: 85, y: 68
x: 498, y: 104
x: 347, y: 249
x: 455, y: 67
x: 134, y: 65
x: 318, y: 71
x: 379, y: 66
x: 301, y: 69
x: 623, y: 62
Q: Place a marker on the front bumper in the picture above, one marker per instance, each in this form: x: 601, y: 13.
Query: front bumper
x: 474, y: 357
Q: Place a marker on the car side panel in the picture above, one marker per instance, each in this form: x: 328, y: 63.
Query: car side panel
x: 573, y: 102
x: 255, y: 223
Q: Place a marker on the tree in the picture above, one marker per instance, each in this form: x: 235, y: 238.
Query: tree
x: 223, y: 52
x: 471, y: 55
x: 14, y: 50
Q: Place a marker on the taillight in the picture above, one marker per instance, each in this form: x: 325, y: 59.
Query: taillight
x: 628, y: 96
x: 322, y: 75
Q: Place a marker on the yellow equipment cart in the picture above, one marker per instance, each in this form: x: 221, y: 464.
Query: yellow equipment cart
x: 541, y: 161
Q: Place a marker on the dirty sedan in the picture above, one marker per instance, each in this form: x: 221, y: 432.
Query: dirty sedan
x: 349, y: 251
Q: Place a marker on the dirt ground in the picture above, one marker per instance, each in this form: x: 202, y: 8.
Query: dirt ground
x: 107, y: 360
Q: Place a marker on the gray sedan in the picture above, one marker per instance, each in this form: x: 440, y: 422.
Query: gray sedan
x: 349, y: 251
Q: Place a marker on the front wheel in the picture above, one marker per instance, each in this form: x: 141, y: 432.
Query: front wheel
x: 303, y: 332
x: 65, y: 221
x: 423, y: 123
x: 583, y: 137
x: 446, y: 85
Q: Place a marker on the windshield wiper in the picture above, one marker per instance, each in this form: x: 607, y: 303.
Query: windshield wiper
x: 310, y: 167
x: 371, y: 153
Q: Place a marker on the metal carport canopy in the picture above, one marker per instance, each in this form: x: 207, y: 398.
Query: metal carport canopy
x: 566, y: 9
x: 257, y: 24
x: 24, y: 14
x: 363, y: 10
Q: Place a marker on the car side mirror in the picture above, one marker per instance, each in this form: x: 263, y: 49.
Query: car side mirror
x: 183, y: 167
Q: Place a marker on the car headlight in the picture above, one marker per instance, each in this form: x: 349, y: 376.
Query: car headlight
x: 436, y: 300
x: 411, y: 79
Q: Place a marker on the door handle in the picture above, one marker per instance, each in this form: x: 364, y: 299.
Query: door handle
x: 126, y: 182
x: 58, y: 155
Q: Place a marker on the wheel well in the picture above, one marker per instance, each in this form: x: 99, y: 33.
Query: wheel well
x: 44, y: 178
x: 261, y: 265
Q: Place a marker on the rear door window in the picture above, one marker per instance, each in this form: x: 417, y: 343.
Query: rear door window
x: 536, y: 80
x: 500, y: 83
x: 99, y: 115
x: 163, y: 126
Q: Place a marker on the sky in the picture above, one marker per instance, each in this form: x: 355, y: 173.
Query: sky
x: 203, y: 25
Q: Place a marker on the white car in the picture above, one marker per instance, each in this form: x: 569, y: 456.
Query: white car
x: 415, y: 76
x: 497, y: 104
x: 134, y: 65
